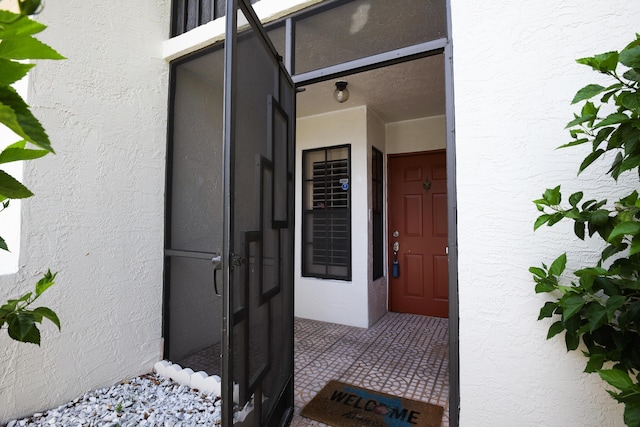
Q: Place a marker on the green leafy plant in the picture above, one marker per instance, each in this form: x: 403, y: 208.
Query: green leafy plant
x: 17, y: 45
x: 601, y: 308
x: 20, y: 320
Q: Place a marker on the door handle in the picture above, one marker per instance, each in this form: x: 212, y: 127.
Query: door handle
x: 217, y: 265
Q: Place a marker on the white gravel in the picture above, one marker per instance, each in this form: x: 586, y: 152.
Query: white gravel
x: 148, y: 400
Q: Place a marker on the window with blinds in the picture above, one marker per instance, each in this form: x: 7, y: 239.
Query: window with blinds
x: 326, y: 237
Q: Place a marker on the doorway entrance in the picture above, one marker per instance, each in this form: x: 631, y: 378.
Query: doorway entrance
x: 199, y: 238
x: 417, y: 224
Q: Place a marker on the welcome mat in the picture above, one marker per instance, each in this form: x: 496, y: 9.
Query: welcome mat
x: 343, y: 405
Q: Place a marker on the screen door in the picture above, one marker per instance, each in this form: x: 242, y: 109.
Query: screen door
x: 257, y: 252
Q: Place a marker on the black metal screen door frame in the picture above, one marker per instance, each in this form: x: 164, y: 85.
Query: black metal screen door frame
x: 257, y: 248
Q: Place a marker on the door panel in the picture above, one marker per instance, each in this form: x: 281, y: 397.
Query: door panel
x: 192, y: 310
x: 257, y: 243
x: 418, y: 212
x: 414, y: 285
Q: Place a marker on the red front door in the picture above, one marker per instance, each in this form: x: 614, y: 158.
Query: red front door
x: 418, y: 224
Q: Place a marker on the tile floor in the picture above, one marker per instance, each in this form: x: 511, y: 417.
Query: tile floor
x: 402, y: 354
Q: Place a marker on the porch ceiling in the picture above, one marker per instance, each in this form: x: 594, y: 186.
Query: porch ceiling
x: 404, y: 91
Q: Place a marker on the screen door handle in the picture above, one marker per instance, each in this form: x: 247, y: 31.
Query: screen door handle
x: 217, y: 265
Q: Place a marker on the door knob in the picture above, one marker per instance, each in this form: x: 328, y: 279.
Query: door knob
x: 396, y: 234
x: 396, y: 246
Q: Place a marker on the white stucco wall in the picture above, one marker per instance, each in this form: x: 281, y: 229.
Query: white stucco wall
x: 514, y: 77
x: 377, y: 293
x: 336, y: 301
x: 428, y: 133
x: 97, y: 216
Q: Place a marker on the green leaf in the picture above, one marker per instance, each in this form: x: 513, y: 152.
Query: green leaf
x: 632, y: 75
x: 27, y: 47
x: 632, y: 413
x: 7, y: 17
x: 603, y: 62
x: 12, y: 71
x: 19, y: 118
x: 617, y: 378
x: 575, y: 198
x: 630, y: 56
x: 29, y: 7
x: 591, y: 271
x: 45, y: 283
x: 558, y: 265
x: 614, y: 303
x: 573, y: 213
x: 48, y: 314
x: 545, y: 285
x: 555, y: 218
x: 11, y: 188
x: 589, y: 109
x: 595, y: 362
x: 612, y: 250
x: 3, y: 244
x: 625, y: 228
x: 614, y: 170
x: 16, y: 154
x: 9, y: 119
x: 555, y: 329
x: 572, y: 340
x: 608, y: 61
x: 540, y: 221
x: 629, y: 100
x: 592, y: 157
x: 552, y: 196
x: 605, y: 98
x: 635, y: 245
x: 587, y: 92
x: 635, y: 285
x: 537, y: 271
x: 571, y: 305
x: 599, y: 217
x: 612, y: 119
x: 579, y: 120
x: 574, y: 143
x: 15, y: 26
x: 547, y: 309
x: 602, y: 135
x: 597, y: 315
x: 629, y: 163
x: 22, y: 328
x: 578, y: 229
x: 24, y: 297
x: 8, y: 307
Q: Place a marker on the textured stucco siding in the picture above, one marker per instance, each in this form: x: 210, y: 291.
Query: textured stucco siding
x: 97, y: 215
x: 514, y: 77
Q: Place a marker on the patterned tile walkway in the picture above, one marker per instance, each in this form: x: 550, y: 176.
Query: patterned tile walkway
x: 403, y: 354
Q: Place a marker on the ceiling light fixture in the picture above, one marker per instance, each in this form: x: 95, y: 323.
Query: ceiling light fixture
x: 341, y: 94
